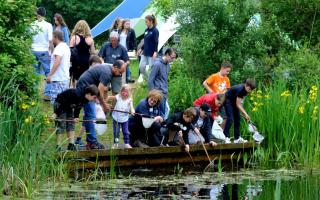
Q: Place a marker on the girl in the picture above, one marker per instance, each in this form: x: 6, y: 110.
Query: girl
x: 150, y: 46
x: 125, y: 106
x: 59, y: 24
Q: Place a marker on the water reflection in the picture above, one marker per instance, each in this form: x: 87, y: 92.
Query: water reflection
x: 245, y: 185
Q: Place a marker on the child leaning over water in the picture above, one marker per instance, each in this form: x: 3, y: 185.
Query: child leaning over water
x: 120, y: 115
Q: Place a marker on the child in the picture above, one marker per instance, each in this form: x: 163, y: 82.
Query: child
x: 203, y: 121
x: 177, y: 127
x: 67, y: 107
x: 124, y: 104
x: 214, y: 100
x: 219, y: 83
x: 233, y: 104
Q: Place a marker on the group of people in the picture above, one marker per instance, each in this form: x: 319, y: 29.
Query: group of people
x: 92, y: 74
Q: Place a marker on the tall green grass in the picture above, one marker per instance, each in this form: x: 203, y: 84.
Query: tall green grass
x: 25, y: 159
x: 290, y: 120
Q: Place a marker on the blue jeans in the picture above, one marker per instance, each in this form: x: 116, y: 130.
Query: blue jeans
x: 90, y: 114
x: 43, y: 59
x: 233, y: 117
x: 162, y: 108
x: 128, y: 73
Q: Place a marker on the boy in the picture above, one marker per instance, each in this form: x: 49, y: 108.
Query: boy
x: 203, y: 121
x: 67, y: 108
x: 177, y: 127
x: 233, y: 107
x: 214, y: 100
x: 219, y: 82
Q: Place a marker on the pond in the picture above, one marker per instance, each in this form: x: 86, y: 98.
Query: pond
x: 244, y: 184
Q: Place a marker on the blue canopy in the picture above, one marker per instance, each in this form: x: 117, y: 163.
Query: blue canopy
x: 127, y: 9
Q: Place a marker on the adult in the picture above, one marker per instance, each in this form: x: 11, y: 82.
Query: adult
x: 150, y: 45
x: 116, y: 25
x: 150, y: 106
x: 42, y: 45
x: 112, y: 51
x: 82, y: 40
x: 128, y: 40
x: 60, y: 25
x: 59, y: 66
x: 158, y: 78
x: 99, y: 75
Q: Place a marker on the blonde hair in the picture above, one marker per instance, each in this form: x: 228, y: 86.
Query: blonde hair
x: 156, y: 95
x: 82, y: 27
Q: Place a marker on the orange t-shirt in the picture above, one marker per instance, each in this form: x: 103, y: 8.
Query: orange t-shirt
x: 218, y: 84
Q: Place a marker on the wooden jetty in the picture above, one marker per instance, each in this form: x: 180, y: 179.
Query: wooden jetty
x: 154, y: 156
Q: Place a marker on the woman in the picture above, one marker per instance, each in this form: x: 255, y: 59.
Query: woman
x: 116, y: 26
x: 149, y: 106
x: 128, y: 40
x: 150, y: 46
x: 82, y: 40
x: 59, y: 24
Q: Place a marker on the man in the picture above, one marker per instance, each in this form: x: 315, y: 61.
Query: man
x: 158, y: 78
x: 100, y: 75
x: 112, y: 51
x: 59, y: 66
x: 42, y: 45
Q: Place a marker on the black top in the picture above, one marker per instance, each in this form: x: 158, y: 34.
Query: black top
x: 83, y: 52
x: 131, y: 40
x: 206, y: 127
x: 236, y: 91
x: 69, y: 101
x: 183, y: 126
x: 151, y: 40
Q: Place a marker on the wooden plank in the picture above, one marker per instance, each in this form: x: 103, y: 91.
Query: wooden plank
x: 151, y: 161
x: 151, y: 150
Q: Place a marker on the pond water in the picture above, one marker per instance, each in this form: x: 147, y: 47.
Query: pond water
x: 244, y: 184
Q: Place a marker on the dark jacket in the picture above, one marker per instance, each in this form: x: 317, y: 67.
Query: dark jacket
x: 69, y: 101
x: 158, y: 78
x: 178, y: 118
x: 206, y: 127
x: 131, y: 40
x: 151, y: 40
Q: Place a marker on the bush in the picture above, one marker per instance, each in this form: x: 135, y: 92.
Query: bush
x: 183, y: 89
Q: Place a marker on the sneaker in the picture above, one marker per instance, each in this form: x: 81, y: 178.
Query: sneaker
x: 127, y: 146
x: 96, y: 145
x: 138, y: 143
x: 72, y: 147
x: 240, y: 140
x: 227, y: 140
x: 115, y: 146
x: 140, y: 79
x: 130, y: 81
x: 79, y: 142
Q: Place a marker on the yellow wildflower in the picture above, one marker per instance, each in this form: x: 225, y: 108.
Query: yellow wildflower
x: 255, y: 103
x: 260, y: 104
x: 254, y: 109
x: 259, y: 92
x: 28, y: 120
x: 33, y: 103
x: 267, y: 96
x: 251, y: 98
x: 285, y: 93
x: 314, y: 88
x: 24, y: 106
x: 301, y: 109
x: 259, y: 96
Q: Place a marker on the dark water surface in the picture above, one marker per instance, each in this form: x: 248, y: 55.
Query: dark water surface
x: 277, y: 184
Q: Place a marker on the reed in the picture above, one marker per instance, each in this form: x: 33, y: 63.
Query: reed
x: 290, y: 120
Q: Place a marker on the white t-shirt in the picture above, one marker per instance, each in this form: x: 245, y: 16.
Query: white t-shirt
x: 62, y: 73
x: 123, y: 39
x: 43, y: 30
x: 122, y: 105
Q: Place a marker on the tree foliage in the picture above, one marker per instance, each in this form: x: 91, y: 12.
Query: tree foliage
x: 15, y: 57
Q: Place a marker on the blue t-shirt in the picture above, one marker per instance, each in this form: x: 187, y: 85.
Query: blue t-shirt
x: 101, y: 73
x: 110, y: 54
x: 236, y: 91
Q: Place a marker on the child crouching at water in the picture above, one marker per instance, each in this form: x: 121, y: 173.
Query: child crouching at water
x: 67, y: 107
x: 120, y: 115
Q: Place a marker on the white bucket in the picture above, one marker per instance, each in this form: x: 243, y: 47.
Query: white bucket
x: 101, y: 128
x: 147, y: 122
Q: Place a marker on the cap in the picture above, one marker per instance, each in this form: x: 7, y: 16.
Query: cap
x: 206, y: 108
x: 41, y: 11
